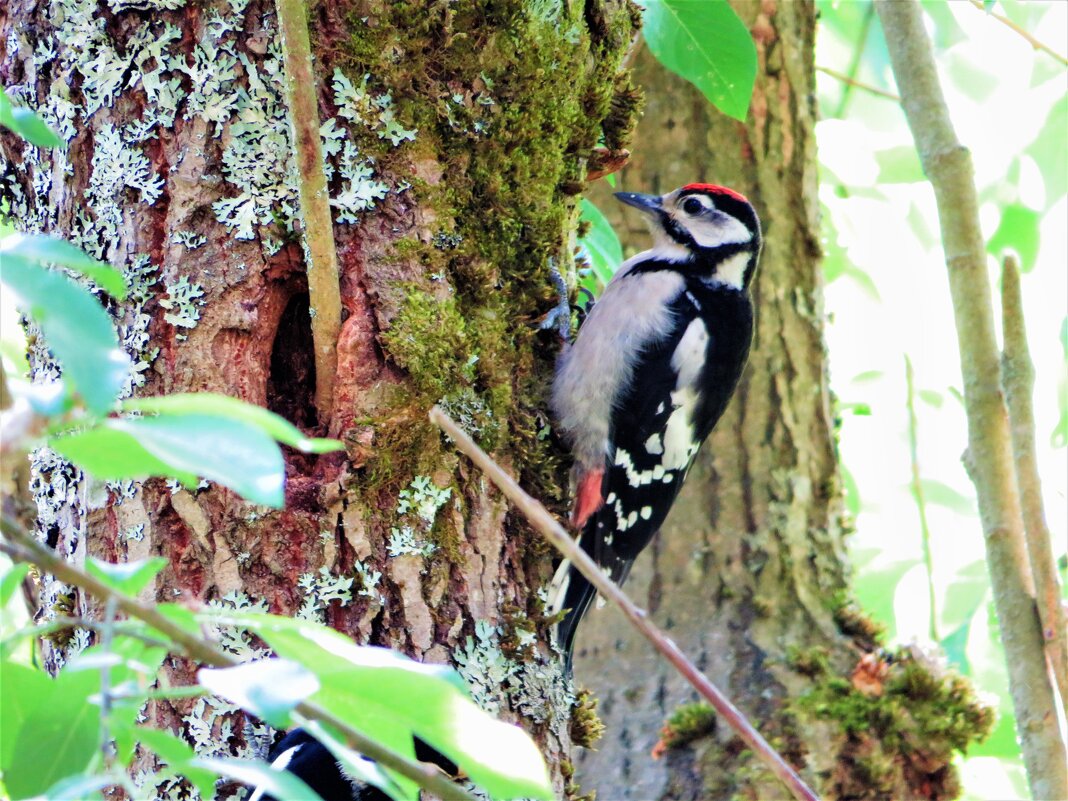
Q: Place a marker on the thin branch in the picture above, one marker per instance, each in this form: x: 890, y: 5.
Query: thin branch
x: 867, y: 87
x: 28, y: 549
x: 859, y: 43
x: 1018, y: 379
x: 106, y: 638
x: 324, y: 290
x: 1031, y: 40
x: 538, y: 516
x: 917, y: 493
x: 989, y: 457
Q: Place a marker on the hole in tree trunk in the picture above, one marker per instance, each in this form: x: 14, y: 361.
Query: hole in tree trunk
x: 291, y: 385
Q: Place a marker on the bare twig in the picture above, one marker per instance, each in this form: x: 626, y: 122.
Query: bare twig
x: 28, y: 549
x: 989, y: 458
x: 106, y: 638
x: 1018, y: 379
x: 324, y: 290
x: 917, y: 493
x: 1031, y: 40
x: 867, y: 87
x: 548, y: 527
x: 860, y: 41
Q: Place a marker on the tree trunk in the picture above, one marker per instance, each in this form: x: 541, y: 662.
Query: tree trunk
x: 457, y: 136
x: 749, y: 575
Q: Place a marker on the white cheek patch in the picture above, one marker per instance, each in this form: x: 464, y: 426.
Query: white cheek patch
x: 726, y: 230
x: 667, y: 249
x: 732, y: 271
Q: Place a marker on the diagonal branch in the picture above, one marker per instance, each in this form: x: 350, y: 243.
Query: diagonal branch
x: 1031, y: 40
x: 1018, y: 379
x: 28, y: 549
x: 324, y: 290
x: 538, y: 516
x: 989, y: 458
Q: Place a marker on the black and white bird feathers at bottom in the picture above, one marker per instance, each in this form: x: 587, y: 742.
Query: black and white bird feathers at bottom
x: 309, y: 760
x: 649, y: 374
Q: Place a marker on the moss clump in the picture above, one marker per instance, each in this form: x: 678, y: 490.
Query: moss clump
x: 812, y: 662
x: 586, y: 725
x: 687, y: 723
x: 852, y: 622
x: 572, y: 790
x: 901, y: 728
x: 428, y: 338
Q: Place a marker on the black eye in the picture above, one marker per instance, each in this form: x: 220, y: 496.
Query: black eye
x: 692, y: 205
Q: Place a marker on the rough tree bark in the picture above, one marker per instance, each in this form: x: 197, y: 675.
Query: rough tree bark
x: 456, y: 136
x: 749, y: 575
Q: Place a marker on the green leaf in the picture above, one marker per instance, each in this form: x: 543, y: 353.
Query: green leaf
x: 259, y: 774
x: 79, y: 786
x: 45, y: 250
x: 210, y: 403
x: 178, y: 754
x: 931, y: 398
x: 1018, y: 231
x: 1049, y: 152
x: 56, y: 731
x: 128, y: 578
x: 232, y: 452
x: 965, y: 594
x: 942, y: 494
x: 601, y: 245
x: 852, y: 491
x: 26, y: 124
x: 377, y: 691
x: 11, y: 581
x: 113, y: 454
x: 269, y: 688
x: 899, y: 165
x: 875, y: 591
x: 77, y: 329
x: 955, y: 646
x: 708, y: 45
x: 947, y: 31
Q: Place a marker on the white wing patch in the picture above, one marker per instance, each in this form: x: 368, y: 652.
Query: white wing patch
x: 654, y: 444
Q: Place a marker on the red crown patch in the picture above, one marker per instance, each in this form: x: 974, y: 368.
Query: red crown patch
x: 716, y: 190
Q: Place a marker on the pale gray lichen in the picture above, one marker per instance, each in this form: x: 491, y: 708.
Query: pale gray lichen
x: 423, y: 498
x: 183, y: 302
x: 233, y: 640
x: 319, y: 590
x: 134, y: 533
x: 403, y: 541
x: 535, y: 687
x: 188, y: 239
x: 357, y: 104
x: 484, y: 667
x: 369, y: 579
x: 417, y: 508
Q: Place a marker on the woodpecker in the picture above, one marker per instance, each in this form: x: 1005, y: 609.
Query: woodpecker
x: 649, y: 374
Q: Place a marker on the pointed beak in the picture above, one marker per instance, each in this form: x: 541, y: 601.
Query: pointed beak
x: 649, y: 204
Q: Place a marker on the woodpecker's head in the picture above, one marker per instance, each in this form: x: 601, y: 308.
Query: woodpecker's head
x: 711, y: 228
